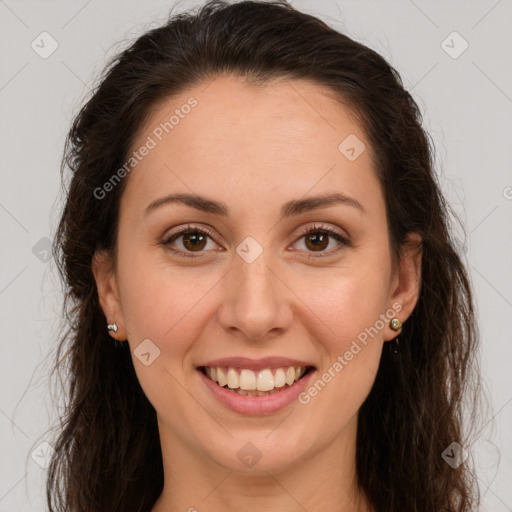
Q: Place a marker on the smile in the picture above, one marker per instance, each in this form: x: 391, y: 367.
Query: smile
x: 246, y: 382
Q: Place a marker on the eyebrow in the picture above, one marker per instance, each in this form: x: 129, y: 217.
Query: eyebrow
x: 289, y: 209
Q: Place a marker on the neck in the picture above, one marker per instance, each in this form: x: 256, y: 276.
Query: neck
x: 326, y: 480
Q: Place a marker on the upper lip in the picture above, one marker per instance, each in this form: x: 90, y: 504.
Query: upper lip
x: 256, y: 364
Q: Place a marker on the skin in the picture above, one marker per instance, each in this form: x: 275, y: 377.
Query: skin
x: 255, y: 148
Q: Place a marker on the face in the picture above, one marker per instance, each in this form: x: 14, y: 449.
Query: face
x: 244, y: 286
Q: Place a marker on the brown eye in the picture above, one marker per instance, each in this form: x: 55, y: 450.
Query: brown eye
x: 317, y: 241
x: 317, y: 238
x: 194, y: 241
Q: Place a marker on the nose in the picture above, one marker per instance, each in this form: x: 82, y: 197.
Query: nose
x: 256, y: 304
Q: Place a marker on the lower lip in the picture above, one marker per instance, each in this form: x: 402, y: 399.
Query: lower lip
x: 257, y: 405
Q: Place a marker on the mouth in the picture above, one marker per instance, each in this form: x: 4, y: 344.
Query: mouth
x: 264, y: 382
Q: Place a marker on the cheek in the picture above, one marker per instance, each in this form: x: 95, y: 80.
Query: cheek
x: 163, y: 302
x: 348, y: 302
x: 351, y: 307
x: 166, y: 305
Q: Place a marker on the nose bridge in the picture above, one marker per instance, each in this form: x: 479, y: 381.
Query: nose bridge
x: 255, y: 302
x: 255, y: 278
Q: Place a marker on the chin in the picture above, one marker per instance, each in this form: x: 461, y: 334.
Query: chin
x: 260, y: 453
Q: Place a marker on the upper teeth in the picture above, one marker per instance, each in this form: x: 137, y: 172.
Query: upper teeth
x: 264, y: 380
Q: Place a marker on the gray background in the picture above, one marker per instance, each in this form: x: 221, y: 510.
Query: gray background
x: 467, y: 104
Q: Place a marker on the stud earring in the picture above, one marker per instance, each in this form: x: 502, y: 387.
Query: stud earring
x: 112, y: 327
x: 395, y: 324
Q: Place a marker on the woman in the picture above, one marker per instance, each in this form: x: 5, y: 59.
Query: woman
x: 254, y: 219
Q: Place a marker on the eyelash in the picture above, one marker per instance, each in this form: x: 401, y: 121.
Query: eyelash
x: 314, y: 229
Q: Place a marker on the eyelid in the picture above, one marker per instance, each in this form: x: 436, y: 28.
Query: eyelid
x: 189, y: 227
x: 325, y: 228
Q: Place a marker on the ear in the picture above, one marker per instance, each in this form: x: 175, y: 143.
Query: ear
x: 406, y: 282
x: 108, y: 293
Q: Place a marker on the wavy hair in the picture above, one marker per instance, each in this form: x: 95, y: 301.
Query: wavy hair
x: 107, y: 451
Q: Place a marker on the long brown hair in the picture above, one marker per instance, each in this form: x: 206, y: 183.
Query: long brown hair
x: 107, y: 452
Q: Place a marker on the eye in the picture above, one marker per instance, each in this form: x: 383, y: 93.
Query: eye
x: 316, y: 239
x: 194, y: 240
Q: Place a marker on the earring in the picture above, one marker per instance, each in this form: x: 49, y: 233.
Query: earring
x: 395, y: 324
x: 112, y: 327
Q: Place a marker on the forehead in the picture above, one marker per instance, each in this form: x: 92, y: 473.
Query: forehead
x: 280, y: 137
